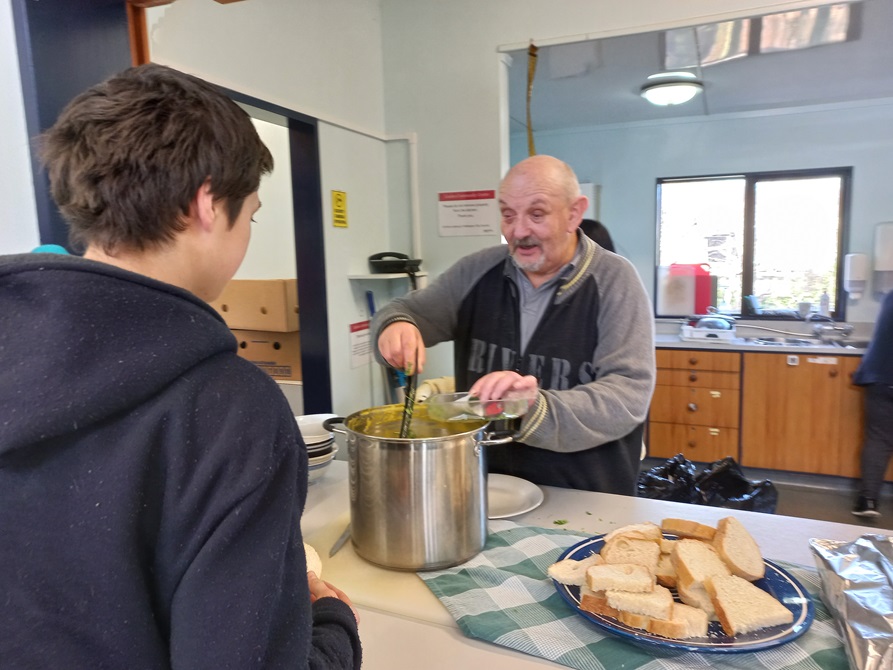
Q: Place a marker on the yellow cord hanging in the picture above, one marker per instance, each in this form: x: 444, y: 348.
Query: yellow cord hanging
x: 531, y: 71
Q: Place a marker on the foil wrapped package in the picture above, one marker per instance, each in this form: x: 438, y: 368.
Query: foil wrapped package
x: 857, y: 586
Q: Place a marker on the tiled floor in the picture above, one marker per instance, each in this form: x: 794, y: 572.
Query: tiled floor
x: 818, y: 497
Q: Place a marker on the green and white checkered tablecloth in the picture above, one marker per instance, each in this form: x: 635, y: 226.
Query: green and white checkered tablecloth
x: 503, y: 595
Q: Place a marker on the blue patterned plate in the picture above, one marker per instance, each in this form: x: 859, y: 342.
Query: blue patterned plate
x: 777, y: 581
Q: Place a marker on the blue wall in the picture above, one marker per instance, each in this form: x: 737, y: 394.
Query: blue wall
x: 627, y: 160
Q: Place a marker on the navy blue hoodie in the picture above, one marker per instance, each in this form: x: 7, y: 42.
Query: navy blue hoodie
x: 151, y: 485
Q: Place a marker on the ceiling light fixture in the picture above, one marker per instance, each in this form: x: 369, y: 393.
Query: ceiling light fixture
x: 671, y: 88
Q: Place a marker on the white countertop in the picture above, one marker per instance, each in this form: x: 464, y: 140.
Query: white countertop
x: 401, y: 621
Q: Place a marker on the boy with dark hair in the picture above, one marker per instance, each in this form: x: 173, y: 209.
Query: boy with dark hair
x: 151, y: 481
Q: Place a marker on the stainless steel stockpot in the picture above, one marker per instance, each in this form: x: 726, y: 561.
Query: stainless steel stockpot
x: 420, y: 502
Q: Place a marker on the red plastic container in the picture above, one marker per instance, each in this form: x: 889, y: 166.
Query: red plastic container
x: 701, y: 273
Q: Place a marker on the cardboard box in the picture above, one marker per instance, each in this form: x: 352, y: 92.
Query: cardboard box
x: 260, y: 304
x: 277, y: 354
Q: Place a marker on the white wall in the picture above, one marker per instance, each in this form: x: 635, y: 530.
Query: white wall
x: 271, y: 252
x: 18, y: 225
x: 628, y: 160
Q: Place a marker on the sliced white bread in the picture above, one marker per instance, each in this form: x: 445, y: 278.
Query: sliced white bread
x: 657, y: 604
x: 573, y: 572
x: 696, y: 596
x: 667, y: 545
x: 634, y: 620
x: 742, y: 607
x: 314, y: 563
x: 638, y: 531
x: 738, y: 549
x: 596, y: 602
x: 689, y: 529
x: 687, y: 622
x: 666, y: 571
x: 695, y: 561
x: 631, y: 550
x: 620, y: 577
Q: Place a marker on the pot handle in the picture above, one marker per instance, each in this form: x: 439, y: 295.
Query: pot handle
x: 493, y: 439
x: 329, y: 425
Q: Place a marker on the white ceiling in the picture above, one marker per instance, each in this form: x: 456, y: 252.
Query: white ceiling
x: 598, y: 82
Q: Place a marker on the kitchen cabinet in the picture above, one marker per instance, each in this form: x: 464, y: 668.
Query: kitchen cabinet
x: 696, y: 405
x: 802, y: 413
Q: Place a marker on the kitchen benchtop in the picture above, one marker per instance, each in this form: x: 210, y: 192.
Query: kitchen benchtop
x: 741, y: 344
x: 401, y: 621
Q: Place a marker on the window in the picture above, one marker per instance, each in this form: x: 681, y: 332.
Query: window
x: 755, y: 244
x: 712, y: 43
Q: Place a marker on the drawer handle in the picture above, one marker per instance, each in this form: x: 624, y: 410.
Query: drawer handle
x: 692, y: 361
x: 692, y: 444
x: 832, y: 373
x: 713, y: 431
x: 693, y: 377
x: 692, y: 407
x: 716, y: 394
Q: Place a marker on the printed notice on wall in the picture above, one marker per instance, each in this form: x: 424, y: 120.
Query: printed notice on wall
x: 339, y: 209
x: 360, y: 349
x: 468, y: 213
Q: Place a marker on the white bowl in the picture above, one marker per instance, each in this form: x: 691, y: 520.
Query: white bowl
x: 311, y: 428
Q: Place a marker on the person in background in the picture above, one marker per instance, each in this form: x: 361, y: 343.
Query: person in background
x: 597, y: 231
x: 875, y: 373
x: 151, y: 481
x: 550, y: 314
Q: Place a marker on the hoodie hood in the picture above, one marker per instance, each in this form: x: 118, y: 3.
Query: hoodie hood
x: 82, y: 341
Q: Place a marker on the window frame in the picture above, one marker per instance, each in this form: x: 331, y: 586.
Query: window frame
x: 845, y: 173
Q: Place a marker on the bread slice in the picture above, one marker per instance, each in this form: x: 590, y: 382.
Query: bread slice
x: 688, y: 529
x: 687, y: 622
x: 596, y: 602
x: 573, y: 572
x: 697, y: 596
x: 657, y: 604
x: 314, y: 563
x: 634, y: 620
x: 638, y: 531
x: 695, y: 561
x: 742, y: 607
x: 667, y: 545
x: 739, y: 550
x: 630, y: 550
x: 620, y: 577
x: 666, y: 572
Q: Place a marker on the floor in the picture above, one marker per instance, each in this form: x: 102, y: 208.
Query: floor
x: 818, y: 497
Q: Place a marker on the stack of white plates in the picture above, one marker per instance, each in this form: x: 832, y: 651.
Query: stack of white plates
x: 318, y: 464
x: 318, y: 440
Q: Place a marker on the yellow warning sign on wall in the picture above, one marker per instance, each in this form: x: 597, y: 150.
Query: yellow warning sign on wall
x: 339, y: 209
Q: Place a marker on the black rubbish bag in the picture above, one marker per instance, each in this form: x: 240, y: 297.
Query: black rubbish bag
x: 721, y: 484
x: 673, y: 480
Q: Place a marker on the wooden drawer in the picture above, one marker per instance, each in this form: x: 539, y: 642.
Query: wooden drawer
x: 696, y: 359
x: 700, y: 378
x: 695, y: 406
x: 696, y: 443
